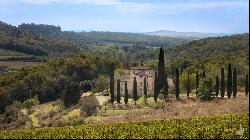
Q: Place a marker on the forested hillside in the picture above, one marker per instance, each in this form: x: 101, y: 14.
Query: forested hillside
x: 40, y: 39
x: 212, y: 54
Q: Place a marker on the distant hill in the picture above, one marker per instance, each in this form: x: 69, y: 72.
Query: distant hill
x: 187, y: 35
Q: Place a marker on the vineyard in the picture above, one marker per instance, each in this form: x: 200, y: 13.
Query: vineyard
x: 216, y: 127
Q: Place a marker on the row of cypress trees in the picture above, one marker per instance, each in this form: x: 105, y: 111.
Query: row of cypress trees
x: 160, y: 82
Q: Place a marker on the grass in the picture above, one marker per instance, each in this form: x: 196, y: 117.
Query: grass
x: 4, y: 52
x: 34, y: 121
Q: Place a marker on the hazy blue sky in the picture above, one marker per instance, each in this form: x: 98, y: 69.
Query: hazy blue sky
x: 227, y: 16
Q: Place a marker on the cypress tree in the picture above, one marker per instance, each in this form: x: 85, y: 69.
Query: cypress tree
x: 155, y: 87
x: 112, y: 80
x: 229, y: 80
x: 135, y: 90
x: 197, y: 82
x: 161, y: 70
x: 126, y: 93
x: 188, y: 86
x: 145, y: 88
x: 217, y: 86
x: 204, y: 73
x: 165, y: 92
x: 177, y: 82
x: 246, y: 85
x: 234, y: 83
x: 118, y: 91
x: 222, y: 84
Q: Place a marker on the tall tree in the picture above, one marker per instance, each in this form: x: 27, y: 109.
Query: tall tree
x: 234, y: 83
x: 188, y: 85
x: 135, y: 90
x: 222, y: 84
x: 145, y: 88
x: 204, y: 73
x: 118, y: 91
x: 229, y: 80
x: 155, y: 87
x: 177, y: 84
x: 197, y: 82
x: 165, y: 92
x: 126, y: 93
x: 246, y: 85
x: 217, y: 86
x: 112, y: 82
x: 161, y: 70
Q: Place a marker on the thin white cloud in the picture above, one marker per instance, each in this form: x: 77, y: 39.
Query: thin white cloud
x: 146, y: 7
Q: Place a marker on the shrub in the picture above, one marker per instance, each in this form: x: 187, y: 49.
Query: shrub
x: 206, y: 89
x: 89, y: 105
x: 71, y: 94
x: 31, y: 102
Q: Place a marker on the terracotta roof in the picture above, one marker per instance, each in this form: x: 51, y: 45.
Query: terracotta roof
x: 86, y: 94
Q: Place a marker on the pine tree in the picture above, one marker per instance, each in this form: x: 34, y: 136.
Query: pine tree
x: 234, y: 83
x: 188, y: 85
x: 217, y: 86
x: 229, y: 80
x: 165, y: 92
x: 197, y: 82
x: 222, y: 87
x: 112, y: 80
x: 177, y: 82
x: 135, y: 90
x: 161, y: 70
x: 246, y: 85
x: 145, y: 88
x: 118, y: 91
x: 126, y: 93
x: 155, y: 87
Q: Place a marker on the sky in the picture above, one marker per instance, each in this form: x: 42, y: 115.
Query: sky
x: 211, y: 16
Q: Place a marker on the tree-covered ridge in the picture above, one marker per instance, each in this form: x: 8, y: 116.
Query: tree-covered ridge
x: 26, y: 41
x: 42, y: 39
x: 211, y: 54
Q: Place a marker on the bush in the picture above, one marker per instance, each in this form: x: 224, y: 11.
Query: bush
x: 206, y: 89
x: 89, y: 105
x: 71, y: 94
x: 11, y: 112
x: 31, y: 102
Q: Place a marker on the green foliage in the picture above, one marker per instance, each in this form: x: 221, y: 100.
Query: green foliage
x: 145, y: 88
x: 234, y: 83
x: 229, y: 81
x: 126, y: 93
x: 177, y: 84
x: 112, y: 82
x: 206, y: 89
x: 31, y: 102
x: 197, y: 80
x: 187, y: 80
x: 118, y: 91
x: 71, y: 94
x: 217, y: 86
x: 210, y: 127
x: 89, y: 105
x: 87, y: 85
x: 156, y: 91
x: 222, y: 84
x: 246, y: 85
x: 135, y: 90
x: 11, y: 112
x: 102, y: 83
x: 161, y: 70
